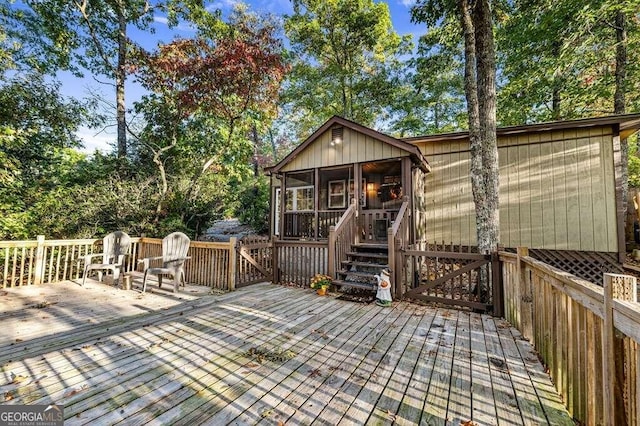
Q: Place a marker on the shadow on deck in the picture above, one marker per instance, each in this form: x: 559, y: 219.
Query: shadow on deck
x: 264, y: 354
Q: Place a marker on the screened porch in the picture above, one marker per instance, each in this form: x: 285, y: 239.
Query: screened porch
x: 314, y: 200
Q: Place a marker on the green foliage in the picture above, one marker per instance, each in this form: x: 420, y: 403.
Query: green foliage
x: 346, y: 61
x: 37, y: 134
x: 320, y: 281
x: 253, y: 203
x: 558, y: 60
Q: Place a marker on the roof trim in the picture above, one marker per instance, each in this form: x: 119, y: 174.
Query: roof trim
x: 629, y: 124
x: 413, y: 150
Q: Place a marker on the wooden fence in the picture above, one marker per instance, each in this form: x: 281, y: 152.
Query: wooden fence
x: 255, y: 260
x: 209, y: 263
x: 296, y: 261
x: 587, y: 335
x: 46, y: 261
x: 217, y: 265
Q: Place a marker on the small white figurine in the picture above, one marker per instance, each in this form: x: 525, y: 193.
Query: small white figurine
x: 383, y: 295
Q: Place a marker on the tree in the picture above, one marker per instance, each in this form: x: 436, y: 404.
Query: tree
x: 561, y: 60
x: 37, y: 132
x: 480, y: 91
x: 433, y: 100
x: 91, y: 35
x: 206, y: 95
x: 345, y: 61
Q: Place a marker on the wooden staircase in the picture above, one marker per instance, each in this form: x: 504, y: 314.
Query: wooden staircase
x: 363, y: 263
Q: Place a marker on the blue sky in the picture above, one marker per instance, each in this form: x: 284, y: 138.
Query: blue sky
x: 79, y: 88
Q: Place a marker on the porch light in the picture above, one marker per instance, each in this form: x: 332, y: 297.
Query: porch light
x: 370, y: 187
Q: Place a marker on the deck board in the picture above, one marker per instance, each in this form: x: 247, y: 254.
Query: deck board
x: 412, y: 403
x: 285, y: 387
x: 397, y: 386
x: 171, y: 359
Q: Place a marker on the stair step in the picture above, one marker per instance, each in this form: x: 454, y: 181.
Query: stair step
x: 358, y: 274
x: 371, y: 246
x: 354, y: 284
x: 364, y: 264
x: 370, y: 255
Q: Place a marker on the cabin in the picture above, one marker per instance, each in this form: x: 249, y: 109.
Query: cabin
x: 559, y: 191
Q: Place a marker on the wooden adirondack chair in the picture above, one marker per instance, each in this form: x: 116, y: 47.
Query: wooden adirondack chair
x: 115, y: 248
x: 174, y: 253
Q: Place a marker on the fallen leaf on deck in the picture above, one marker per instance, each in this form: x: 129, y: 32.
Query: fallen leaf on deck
x: 266, y: 413
x: 74, y: 391
x: 8, y: 396
x: 252, y: 365
x: 391, y: 416
x: 315, y: 373
x: 281, y: 423
x: 17, y: 379
x: 468, y: 423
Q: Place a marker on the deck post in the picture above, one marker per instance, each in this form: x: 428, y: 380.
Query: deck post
x: 275, y: 279
x: 232, y: 263
x: 613, y: 349
x: 39, y: 265
x: 331, y: 261
x: 497, y: 285
x: 526, y: 295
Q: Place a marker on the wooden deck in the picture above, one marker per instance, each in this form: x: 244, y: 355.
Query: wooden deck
x: 265, y: 354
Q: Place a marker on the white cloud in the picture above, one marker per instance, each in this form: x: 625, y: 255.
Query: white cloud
x: 222, y: 5
x: 93, y: 139
x: 407, y: 3
x: 160, y: 20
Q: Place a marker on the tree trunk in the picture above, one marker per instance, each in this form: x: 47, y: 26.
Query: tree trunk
x: 471, y: 93
x: 480, y: 91
x: 619, y: 107
x: 489, y: 226
x: 121, y: 76
x: 557, y: 84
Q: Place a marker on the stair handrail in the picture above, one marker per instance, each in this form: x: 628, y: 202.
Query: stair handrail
x: 397, y: 239
x: 340, y: 235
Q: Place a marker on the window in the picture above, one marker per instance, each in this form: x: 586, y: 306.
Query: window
x: 299, y: 198
x: 337, y: 194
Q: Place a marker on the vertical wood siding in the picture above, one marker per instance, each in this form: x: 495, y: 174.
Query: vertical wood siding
x: 557, y: 191
x: 355, y: 147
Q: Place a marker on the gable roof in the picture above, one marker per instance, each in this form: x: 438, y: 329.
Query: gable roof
x: 413, y: 150
x: 629, y: 124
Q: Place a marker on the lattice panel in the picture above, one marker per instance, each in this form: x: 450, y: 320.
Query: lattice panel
x: 587, y: 265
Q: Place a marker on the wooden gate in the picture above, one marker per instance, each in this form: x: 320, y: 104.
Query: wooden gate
x: 453, y: 278
x: 254, y: 260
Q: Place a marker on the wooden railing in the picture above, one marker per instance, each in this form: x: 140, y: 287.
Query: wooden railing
x: 255, y: 260
x: 295, y: 262
x: 341, y: 237
x: 398, y: 239
x: 44, y: 261
x: 305, y: 225
x: 211, y: 264
x: 299, y: 225
x: 374, y: 223
x: 327, y: 219
x: 584, y: 333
